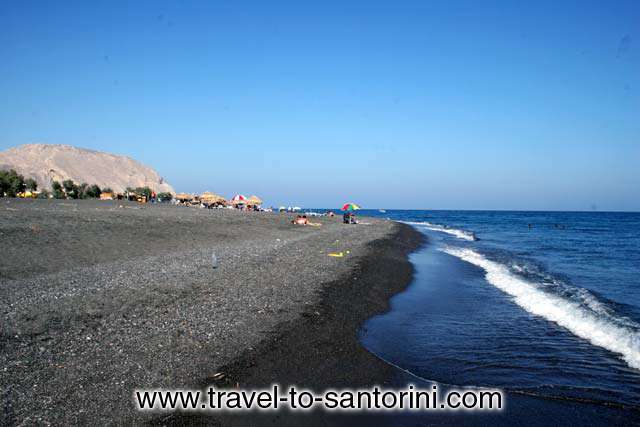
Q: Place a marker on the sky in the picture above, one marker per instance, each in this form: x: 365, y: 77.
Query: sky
x: 410, y: 104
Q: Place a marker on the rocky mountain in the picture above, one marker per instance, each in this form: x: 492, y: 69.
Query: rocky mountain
x: 46, y: 163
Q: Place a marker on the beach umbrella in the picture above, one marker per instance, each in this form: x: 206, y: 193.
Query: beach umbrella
x: 238, y: 199
x: 254, y: 200
x: 350, y: 207
x: 210, y: 197
x: 183, y: 196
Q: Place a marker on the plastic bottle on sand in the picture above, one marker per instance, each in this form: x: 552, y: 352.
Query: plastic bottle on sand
x: 214, y: 260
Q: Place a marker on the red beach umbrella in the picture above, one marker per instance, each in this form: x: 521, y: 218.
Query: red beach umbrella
x: 238, y: 198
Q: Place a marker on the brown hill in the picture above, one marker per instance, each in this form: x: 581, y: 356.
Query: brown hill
x: 46, y: 163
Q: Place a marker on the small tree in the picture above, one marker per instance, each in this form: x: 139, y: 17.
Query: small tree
x: 11, y: 183
x: 106, y: 190
x: 58, y: 192
x: 143, y: 191
x: 93, y: 191
x: 165, y: 197
x: 70, y: 188
x: 82, y: 190
x: 31, y: 184
x: 4, y: 182
x: 44, y: 194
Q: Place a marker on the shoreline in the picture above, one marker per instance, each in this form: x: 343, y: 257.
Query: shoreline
x: 321, y: 348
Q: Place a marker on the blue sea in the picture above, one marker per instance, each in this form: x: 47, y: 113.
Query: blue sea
x: 544, y: 305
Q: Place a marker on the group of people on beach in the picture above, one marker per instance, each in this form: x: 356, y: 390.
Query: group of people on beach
x: 347, y: 218
x: 303, y: 220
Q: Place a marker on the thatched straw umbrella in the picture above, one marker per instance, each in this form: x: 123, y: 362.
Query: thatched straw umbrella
x: 183, y: 197
x: 212, y: 199
x: 254, y: 200
x: 208, y: 197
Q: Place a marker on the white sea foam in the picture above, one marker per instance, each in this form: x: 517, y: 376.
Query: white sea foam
x: 460, y: 234
x: 601, y: 328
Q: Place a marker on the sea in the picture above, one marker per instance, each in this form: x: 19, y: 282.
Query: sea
x: 542, y: 305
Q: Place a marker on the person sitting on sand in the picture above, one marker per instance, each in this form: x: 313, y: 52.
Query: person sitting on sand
x: 349, y: 218
x: 301, y: 220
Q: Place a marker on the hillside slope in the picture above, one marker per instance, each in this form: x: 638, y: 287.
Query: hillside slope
x: 46, y: 163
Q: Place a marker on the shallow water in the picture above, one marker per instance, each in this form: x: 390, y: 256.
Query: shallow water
x: 537, y: 303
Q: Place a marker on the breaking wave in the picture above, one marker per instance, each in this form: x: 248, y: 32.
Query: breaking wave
x: 460, y: 234
x: 579, y: 311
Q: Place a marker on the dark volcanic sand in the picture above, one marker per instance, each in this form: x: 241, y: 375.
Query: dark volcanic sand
x: 320, y: 350
x: 101, y: 298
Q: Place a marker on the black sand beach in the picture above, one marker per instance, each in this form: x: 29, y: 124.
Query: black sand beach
x: 101, y: 298
x: 320, y: 350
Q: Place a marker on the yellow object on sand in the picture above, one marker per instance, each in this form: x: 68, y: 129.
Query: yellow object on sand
x: 336, y: 254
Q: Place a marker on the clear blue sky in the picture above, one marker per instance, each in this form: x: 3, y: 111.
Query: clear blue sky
x: 458, y: 105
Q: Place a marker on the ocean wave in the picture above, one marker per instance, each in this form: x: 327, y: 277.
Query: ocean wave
x: 580, y: 312
x: 460, y: 234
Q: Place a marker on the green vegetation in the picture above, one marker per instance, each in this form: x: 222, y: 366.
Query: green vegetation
x: 143, y: 191
x: 165, y: 197
x: 11, y: 183
x: 82, y: 190
x: 86, y: 191
x: 70, y: 189
x: 93, y: 192
x: 133, y: 193
x: 58, y: 192
x: 31, y: 184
